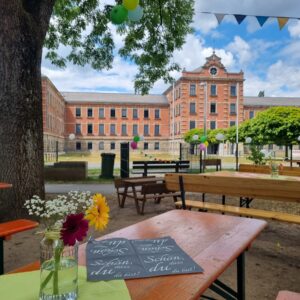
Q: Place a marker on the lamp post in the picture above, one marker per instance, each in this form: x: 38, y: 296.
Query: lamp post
x: 237, y: 129
x: 204, y: 84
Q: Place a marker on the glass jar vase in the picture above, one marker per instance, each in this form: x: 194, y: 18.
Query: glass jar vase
x: 59, y: 269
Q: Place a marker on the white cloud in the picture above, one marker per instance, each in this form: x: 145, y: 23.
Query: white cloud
x: 281, y: 80
x: 294, y: 29
x: 241, y: 49
x: 75, y: 78
x: 204, y: 22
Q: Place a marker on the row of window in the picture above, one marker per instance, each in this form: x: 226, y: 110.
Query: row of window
x: 213, y: 90
x: 213, y: 124
x: 55, y: 103
x: 213, y: 108
x: 113, y: 113
x: 54, y: 124
x: 124, y: 129
x: 91, y: 145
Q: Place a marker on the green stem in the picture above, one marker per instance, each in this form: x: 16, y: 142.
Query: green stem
x: 57, y: 256
x: 47, y: 279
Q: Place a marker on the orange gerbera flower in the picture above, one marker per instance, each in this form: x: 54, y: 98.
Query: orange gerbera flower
x: 98, y: 213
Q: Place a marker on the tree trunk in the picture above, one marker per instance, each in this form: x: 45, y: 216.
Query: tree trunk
x: 21, y: 125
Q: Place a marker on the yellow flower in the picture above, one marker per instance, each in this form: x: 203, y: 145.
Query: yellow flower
x: 98, y: 213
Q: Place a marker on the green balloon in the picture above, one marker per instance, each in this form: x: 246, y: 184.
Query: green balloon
x: 203, y: 139
x: 118, y: 14
x: 136, y: 138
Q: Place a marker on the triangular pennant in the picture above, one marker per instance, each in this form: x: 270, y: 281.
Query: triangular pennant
x: 240, y: 18
x: 220, y: 17
x: 282, y: 22
x: 261, y: 20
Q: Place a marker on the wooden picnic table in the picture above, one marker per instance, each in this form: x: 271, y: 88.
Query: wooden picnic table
x: 136, y: 182
x: 213, y: 241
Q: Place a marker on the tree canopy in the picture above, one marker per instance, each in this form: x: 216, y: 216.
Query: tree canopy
x: 76, y: 31
x: 84, y: 27
x: 277, y: 125
x: 211, y: 135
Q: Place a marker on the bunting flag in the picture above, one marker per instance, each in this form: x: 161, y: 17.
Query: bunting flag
x: 239, y: 18
x: 220, y: 17
x: 282, y: 22
x: 261, y: 20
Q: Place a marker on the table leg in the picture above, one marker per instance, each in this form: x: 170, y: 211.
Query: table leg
x: 124, y: 196
x: 136, y: 199
x: 241, y: 283
x: 1, y: 256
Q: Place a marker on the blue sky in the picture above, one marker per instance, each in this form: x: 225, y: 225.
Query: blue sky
x: 269, y: 57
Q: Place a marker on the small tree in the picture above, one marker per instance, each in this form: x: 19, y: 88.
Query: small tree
x: 256, y: 155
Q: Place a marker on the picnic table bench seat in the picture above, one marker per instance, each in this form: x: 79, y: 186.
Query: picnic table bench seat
x: 160, y: 166
x: 241, y: 211
x: 155, y: 191
x: 7, y: 229
x: 120, y: 188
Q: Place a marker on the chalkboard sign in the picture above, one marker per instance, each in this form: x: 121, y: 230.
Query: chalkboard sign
x: 120, y: 258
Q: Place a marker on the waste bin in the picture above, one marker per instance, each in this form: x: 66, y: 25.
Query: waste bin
x: 107, y: 166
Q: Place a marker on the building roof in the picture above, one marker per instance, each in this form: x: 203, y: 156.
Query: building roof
x: 271, y: 101
x: 115, y: 98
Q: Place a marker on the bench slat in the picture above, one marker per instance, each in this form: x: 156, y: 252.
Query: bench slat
x: 242, y: 211
x: 27, y: 268
x: 12, y: 227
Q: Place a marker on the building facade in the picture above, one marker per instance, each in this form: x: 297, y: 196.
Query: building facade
x: 209, y: 97
x: 53, y: 117
x: 102, y: 121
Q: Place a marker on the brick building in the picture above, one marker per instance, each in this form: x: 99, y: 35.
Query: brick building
x: 207, y: 97
x: 102, y: 121
x: 53, y: 117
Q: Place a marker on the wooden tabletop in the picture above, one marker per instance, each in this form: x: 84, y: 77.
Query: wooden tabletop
x: 4, y: 185
x: 252, y: 175
x: 140, y: 180
x: 287, y: 295
x: 214, y: 241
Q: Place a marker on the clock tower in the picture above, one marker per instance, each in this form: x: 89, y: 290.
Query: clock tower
x: 207, y: 97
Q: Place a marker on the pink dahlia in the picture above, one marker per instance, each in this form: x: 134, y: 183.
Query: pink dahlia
x: 74, y: 229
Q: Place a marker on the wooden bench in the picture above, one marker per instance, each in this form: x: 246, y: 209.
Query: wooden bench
x: 7, y: 229
x: 213, y: 162
x: 225, y: 186
x: 287, y: 295
x: 155, y: 191
x: 177, y: 165
x: 265, y: 169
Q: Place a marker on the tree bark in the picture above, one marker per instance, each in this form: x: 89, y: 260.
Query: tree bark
x: 23, y: 28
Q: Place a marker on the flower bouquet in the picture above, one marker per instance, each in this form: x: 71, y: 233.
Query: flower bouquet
x: 67, y: 219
